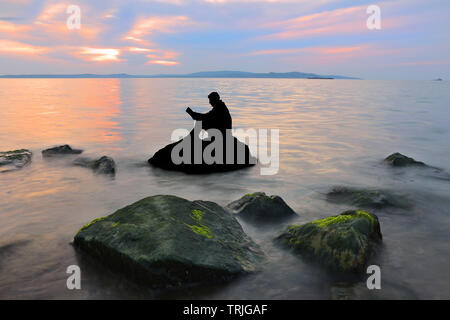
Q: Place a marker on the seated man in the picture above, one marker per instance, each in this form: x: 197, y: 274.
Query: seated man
x: 218, y: 118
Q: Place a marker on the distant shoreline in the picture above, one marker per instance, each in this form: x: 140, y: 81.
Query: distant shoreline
x: 209, y: 74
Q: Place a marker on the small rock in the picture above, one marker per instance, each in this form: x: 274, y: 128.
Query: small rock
x: 13, y: 160
x: 169, y: 241
x: 367, y: 198
x: 400, y: 160
x: 60, y: 150
x: 103, y: 165
x: 342, y: 243
x: 260, y: 208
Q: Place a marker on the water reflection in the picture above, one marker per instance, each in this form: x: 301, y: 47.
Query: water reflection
x: 42, y: 112
x: 331, y: 133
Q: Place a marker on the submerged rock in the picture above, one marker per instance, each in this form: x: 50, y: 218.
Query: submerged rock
x: 400, y: 160
x: 368, y: 198
x: 60, y: 150
x: 342, y: 243
x: 163, y: 158
x: 169, y: 241
x: 13, y: 160
x: 260, y: 208
x: 103, y: 165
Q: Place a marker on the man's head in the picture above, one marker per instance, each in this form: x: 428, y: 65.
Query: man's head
x: 213, y: 98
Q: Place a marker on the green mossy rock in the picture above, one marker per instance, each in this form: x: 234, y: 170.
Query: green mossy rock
x: 399, y: 160
x: 259, y: 208
x: 13, y: 160
x: 169, y: 241
x: 367, y: 198
x: 342, y: 243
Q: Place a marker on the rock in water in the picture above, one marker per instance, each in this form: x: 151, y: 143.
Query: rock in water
x: 163, y: 158
x: 260, y: 208
x: 368, y: 198
x: 400, y: 160
x: 61, y: 150
x: 343, y: 243
x: 13, y: 160
x: 103, y: 165
x: 169, y: 241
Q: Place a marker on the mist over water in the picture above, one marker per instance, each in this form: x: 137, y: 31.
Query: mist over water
x: 332, y: 132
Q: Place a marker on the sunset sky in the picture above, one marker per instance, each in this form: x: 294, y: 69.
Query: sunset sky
x: 182, y: 36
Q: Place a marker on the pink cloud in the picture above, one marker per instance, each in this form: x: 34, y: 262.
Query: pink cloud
x: 152, y: 25
x: 163, y: 62
x: 351, y: 20
x: 100, y: 54
x: 20, y: 48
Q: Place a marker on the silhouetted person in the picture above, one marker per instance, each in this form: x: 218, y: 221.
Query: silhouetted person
x: 218, y: 118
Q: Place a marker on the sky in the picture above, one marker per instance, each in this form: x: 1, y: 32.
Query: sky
x: 327, y: 37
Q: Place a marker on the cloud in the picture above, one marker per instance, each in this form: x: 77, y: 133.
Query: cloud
x: 20, y: 48
x: 163, y: 62
x: 152, y: 25
x: 350, y: 20
x: 100, y: 54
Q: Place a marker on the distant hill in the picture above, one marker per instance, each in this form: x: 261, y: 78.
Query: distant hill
x: 204, y: 74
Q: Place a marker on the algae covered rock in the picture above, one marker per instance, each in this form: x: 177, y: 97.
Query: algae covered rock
x: 399, y: 160
x: 169, y: 241
x: 367, y: 198
x: 13, y: 160
x: 60, y: 150
x: 343, y: 243
x: 260, y: 208
x: 103, y: 165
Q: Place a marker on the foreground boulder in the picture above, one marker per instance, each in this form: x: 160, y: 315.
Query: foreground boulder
x: 169, y: 241
x: 13, y: 160
x: 259, y: 208
x: 60, y: 150
x: 103, y: 165
x: 400, y: 160
x: 342, y: 243
x: 367, y: 198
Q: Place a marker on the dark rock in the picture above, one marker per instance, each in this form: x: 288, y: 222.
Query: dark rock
x: 13, y: 160
x: 342, y: 243
x: 103, y: 165
x: 367, y: 198
x: 169, y: 241
x: 60, y: 150
x: 163, y: 159
x: 260, y: 208
x: 400, y: 160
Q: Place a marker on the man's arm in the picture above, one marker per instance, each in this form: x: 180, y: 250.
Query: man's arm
x: 196, y: 115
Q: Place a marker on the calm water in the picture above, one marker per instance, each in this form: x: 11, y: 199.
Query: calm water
x: 332, y: 132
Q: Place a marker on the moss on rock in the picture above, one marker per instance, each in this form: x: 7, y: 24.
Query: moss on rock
x: 169, y: 241
x: 343, y: 242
